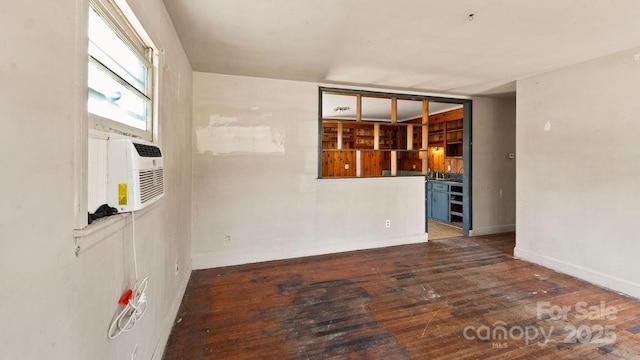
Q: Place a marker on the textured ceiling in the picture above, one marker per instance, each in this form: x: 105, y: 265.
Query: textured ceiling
x: 423, y: 45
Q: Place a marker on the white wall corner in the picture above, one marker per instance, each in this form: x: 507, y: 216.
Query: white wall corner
x: 167, y: 326
x: 595, y: 277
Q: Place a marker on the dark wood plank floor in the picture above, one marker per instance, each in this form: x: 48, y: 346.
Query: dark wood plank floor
x: 461, y: 298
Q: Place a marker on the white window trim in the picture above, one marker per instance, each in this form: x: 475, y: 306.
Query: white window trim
x: 86, y: 121
x: 116, y: 11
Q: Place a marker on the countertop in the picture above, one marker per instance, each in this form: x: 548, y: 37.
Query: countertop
x: 446, y: 181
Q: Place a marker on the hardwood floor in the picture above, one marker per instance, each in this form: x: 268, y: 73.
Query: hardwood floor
x: 460, y: 298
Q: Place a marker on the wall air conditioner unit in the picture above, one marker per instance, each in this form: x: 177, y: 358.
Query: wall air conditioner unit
x: 135, y: 171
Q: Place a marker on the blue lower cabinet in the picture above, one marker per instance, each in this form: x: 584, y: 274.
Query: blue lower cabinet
x: 440, y: 206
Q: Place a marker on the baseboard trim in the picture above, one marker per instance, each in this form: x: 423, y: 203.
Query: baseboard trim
x: 158, y: 352
x: 490, y: 230
x: 220, y: 259
x: 595, y: 277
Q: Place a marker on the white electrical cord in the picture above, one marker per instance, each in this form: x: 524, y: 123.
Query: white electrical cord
x: 133, y: 244
x: 137, y: 303
x: 132, y: 312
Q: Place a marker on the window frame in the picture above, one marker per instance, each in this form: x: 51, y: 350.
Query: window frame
x: 126, y: 26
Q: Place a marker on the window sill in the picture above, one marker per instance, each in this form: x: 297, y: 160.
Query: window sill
x: 99, y: 230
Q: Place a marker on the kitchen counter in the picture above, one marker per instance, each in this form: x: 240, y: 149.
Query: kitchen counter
x: 452, y: 181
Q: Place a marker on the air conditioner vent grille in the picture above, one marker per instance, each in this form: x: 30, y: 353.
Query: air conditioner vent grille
x: 151, y: 184
x: 147, y: 150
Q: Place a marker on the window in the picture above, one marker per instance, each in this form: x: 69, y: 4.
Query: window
x: 121, y: 96
x: 120, y: 74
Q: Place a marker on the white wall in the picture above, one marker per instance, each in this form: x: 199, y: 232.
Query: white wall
x: 493, y: 173
x: 55, y: 305
x: 255, y: 157
x: 578, y: 136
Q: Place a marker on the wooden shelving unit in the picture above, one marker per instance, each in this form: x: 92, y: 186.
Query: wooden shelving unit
x: 436, y: 134
x: 363, y: 137
x: 453, y: 147
x: 388, y: 138
x: 446, y: 133
x: 382, y: 147
x: 329, y: 136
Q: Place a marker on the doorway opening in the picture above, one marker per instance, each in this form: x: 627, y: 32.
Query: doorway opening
x: 445, y: 183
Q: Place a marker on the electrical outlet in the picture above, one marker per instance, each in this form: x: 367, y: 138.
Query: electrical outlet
x: 387, y: 223
x: 134, y: 353
x: 177, y: 267
x: 346, y: 166
x: 227, y: 238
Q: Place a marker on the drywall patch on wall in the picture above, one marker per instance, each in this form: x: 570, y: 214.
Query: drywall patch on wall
x: 220, y: 120
x: 229, y: 135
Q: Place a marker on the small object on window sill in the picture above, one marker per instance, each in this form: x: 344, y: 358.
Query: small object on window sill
x: 103, y: 211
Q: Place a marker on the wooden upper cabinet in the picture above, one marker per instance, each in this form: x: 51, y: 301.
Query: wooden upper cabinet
x: 446, y: 131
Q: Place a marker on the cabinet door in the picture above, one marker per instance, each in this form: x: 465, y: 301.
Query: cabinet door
x: 440, y: 206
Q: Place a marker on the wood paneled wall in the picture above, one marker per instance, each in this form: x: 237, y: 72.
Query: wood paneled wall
x: 457, y: 165
x: 439, y: 163
x: 333, y: 163
x: 374, y: 162
x: 436, y: 159
x: 409, y: 161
